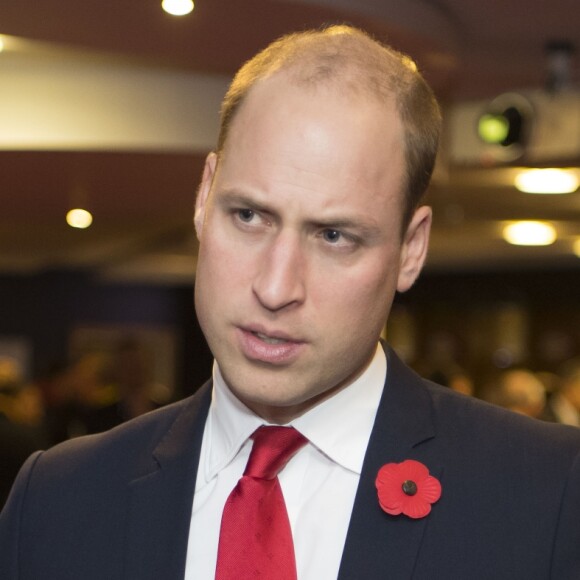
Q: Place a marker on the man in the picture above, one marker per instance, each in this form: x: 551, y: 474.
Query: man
x: 518, y: 390
x: 21, y: 433
x: 309, y: 221
x: 564, y: 403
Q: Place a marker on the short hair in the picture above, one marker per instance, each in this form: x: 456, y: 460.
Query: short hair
x: 351, y: 57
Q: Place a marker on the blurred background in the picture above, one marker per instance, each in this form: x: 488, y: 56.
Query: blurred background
x: 111, y: 108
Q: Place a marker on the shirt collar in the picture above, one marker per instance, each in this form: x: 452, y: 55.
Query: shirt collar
x: 340, y: 427
x: 230, y: 424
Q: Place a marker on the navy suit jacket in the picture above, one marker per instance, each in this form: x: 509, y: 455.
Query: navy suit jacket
x: 118, y: 505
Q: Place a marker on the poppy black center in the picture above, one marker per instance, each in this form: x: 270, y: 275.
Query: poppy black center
x: 409, y: 487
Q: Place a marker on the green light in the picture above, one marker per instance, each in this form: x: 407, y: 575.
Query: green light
x: 493, y: 128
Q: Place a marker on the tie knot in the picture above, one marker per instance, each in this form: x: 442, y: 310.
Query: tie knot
x: 273, y: 448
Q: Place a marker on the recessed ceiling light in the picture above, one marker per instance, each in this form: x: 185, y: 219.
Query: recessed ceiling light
x: 79, y: 218
x: 547, y: 181
x: 529, y: 233
x: 177, y: 7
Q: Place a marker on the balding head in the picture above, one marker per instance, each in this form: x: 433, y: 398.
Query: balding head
x: 351, y: 62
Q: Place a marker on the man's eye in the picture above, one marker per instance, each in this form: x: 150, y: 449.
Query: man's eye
x: 332, y: 236
x: 246, y: 215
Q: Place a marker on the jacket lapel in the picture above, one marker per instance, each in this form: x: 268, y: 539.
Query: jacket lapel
x: 160, y: 500
x: 379, y: 545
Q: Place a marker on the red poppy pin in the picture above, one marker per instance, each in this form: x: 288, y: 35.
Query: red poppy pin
x: 407, y: 488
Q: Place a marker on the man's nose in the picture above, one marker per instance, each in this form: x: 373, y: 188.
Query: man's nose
x: 280, y: 279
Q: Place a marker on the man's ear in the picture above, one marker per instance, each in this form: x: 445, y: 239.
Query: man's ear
x: 415, y: 246
x: 203, y: 191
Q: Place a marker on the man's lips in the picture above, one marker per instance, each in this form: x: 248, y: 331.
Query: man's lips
x: 271, y: 336
x: 269, y: 346
x: 270, y: 339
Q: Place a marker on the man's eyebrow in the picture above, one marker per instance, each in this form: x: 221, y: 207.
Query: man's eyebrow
x: 234, y: 197
x: 361, y: 226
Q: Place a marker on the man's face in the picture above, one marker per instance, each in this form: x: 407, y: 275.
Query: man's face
x: 301, y: 249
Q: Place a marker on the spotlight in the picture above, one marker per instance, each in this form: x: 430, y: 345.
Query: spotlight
x: 493, y: 128
x: 504, y: 128
x: 506, y: 121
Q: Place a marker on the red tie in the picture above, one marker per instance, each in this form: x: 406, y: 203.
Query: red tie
x: 255, y: 536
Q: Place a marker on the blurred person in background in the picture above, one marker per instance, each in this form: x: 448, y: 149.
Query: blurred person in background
x: 21, y: 430
x: 108, y: 388
x: 564, y: 404
x: 60, y: 402
x: 518, y: 390
x: 133, y: 377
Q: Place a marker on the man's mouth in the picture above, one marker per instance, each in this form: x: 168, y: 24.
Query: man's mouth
x: 269, y: 339
x: 270, y: 346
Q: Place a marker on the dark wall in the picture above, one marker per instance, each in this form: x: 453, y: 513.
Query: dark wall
x: 496, y: 320
x: 530, y: 286
x: 46, y: 308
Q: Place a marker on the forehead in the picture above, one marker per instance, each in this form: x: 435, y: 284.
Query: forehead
x: 317, y: 137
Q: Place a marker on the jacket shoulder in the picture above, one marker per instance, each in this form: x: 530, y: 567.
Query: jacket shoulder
x: 121, y: 452
x: 465, y: 417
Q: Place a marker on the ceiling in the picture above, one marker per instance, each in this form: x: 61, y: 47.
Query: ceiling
x: 114, y: 105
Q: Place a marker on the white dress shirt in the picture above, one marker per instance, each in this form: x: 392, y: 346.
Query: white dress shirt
x: 319, y: 483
